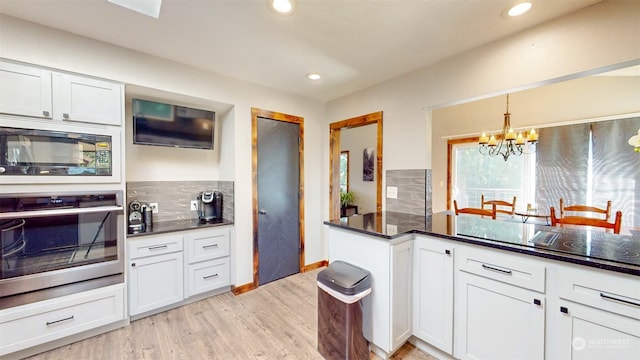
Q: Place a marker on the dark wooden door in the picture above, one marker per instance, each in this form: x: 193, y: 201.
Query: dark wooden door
x: 278, y: 199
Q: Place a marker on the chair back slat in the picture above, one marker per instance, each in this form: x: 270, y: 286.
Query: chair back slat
x: 475, y: 211
x: 508, y: 208
x: 585, y: 209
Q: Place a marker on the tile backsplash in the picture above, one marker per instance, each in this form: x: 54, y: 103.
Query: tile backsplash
x: 414, y: 191
x: 174, y: 197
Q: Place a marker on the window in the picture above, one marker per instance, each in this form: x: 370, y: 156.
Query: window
x: 344, y: 171
x: 585, y: 163
x: 474, y: 174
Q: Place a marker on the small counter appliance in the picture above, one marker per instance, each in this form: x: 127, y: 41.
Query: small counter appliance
x: 210, y: 206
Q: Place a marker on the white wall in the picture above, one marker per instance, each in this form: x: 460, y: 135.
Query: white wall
x: 597, y: 37
x: 28, y: 42
x: 356, y: 140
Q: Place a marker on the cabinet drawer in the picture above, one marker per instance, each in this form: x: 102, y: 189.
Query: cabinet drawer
x: 616, y: 293
x: 208, y: 275
x: 503, y: 267
x: 154, y: 245
x: 207, y: 245
x: 33, y: 324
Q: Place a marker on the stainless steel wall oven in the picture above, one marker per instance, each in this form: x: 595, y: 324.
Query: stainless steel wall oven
x: 58, y: 244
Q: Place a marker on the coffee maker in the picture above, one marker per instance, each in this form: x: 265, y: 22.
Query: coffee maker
x: 140, y: 217
x: 210, y: 206
x: 136, y: 217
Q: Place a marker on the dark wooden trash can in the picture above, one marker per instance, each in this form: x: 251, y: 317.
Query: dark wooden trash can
x: 341, y: 288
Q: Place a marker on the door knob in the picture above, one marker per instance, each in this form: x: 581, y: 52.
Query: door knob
x: 263, y: 211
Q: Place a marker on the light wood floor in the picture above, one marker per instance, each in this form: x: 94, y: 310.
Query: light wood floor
x: 277, y: 320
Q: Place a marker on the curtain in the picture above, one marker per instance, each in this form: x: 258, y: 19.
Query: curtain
x: 616, y: 168
x: 562, y: 165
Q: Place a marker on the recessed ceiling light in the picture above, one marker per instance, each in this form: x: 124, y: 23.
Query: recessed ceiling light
x: 282, y: 7
x: 313, y: 76
x: 519, y: 9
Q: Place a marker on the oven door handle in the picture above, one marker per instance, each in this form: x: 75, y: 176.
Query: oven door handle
x: 58, y: 212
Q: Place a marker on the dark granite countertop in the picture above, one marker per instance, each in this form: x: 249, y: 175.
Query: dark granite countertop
x: 599, y: 249
x: 162, y: 227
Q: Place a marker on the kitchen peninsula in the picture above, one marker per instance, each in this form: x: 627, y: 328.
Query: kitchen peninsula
x: 458, y: 286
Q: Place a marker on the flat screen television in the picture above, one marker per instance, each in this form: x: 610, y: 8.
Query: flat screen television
x: 164, y: 124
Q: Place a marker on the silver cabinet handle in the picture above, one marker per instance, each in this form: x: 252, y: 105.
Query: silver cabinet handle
x: 59, y: 321
x: 209, y: 246
x: 65, y: 115
x: 263, y: 211
x: 209, y: 277
x: 485, y: 266
x: 45, y: 113
x: 157, y: 247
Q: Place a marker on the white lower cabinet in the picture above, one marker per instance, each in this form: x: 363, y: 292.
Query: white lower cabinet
x: 33, y: 324
x: 155, y: 272
x: 433, y: 292
x: 497, y: 316
x: 401, y: 288
x: 155, y: 281
x: 598, y: 315
x: 207, y: 260
x: 591, y: 333
x: 207, y: 275
x: 498, y: 321
x: 167, y: 269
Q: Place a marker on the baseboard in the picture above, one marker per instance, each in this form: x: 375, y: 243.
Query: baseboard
x: 315, y: 265
x: 241, y: 289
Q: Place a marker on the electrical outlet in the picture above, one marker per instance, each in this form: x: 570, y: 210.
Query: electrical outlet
x: 392, y: 192
x: 154, y: 206
x: 194, y: 205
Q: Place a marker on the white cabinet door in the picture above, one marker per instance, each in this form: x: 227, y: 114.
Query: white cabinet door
x: 25, y: 90
x: 433, y: 292
x: 590, y: 333
x: 78, y: 98
x: 155, y: 281
x: 401, y: 299
x: 498, y: 321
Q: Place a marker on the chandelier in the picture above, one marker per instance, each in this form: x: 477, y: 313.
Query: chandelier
x: 508, y: 143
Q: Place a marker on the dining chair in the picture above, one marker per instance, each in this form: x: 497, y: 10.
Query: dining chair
x: 508, y: 208
x: 475, y: 211
x: 584, y: 209
x: 602, y: 221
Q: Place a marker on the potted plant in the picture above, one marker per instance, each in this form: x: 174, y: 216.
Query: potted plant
x: 346, y: 198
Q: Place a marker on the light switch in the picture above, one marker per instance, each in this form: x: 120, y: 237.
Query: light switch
x: 392, y: 229
x: 392, y: 192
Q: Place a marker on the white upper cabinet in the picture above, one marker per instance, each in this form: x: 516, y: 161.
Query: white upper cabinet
x: 39, y: 93
x: 78, y: 98
x: 25, y: 90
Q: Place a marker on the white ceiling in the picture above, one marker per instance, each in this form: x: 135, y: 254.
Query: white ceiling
x: 354, y: 44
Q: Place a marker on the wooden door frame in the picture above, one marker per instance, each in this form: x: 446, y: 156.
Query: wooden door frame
x: 334, y: 159
x: 255, y: 113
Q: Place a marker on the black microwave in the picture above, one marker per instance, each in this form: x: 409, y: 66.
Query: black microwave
x: 46, y: 152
